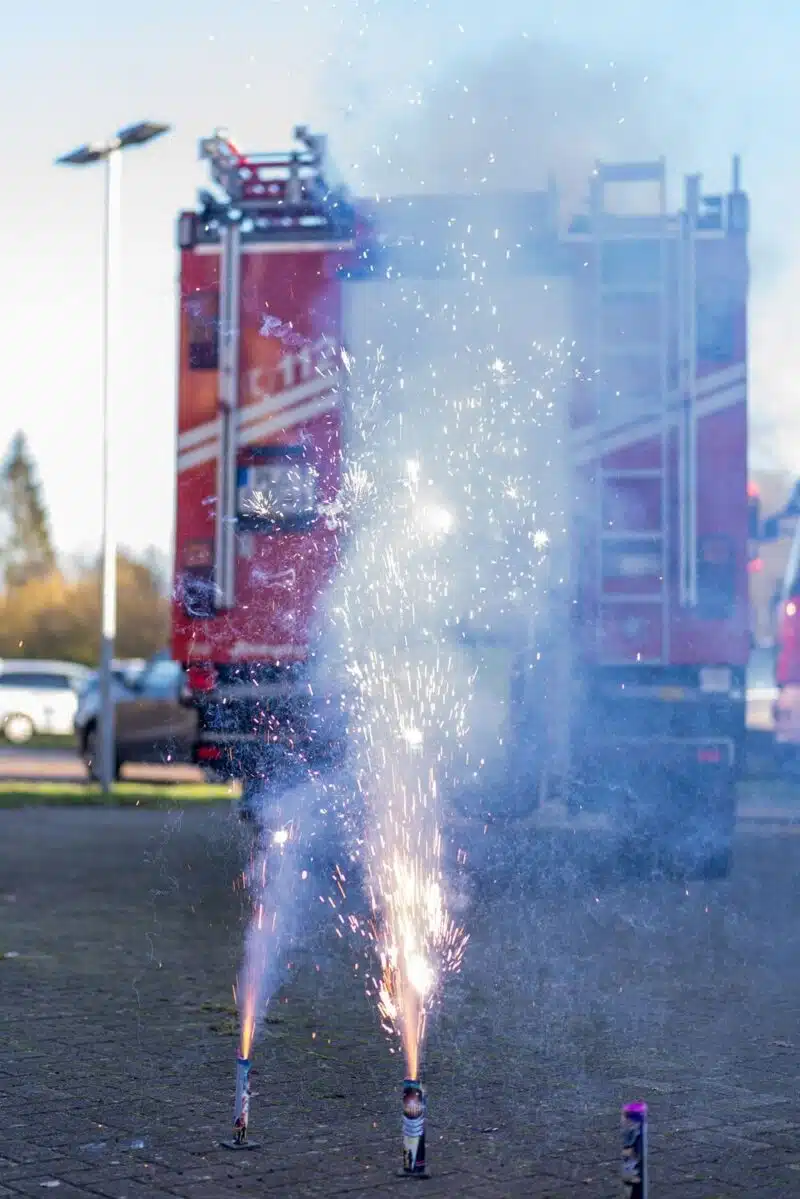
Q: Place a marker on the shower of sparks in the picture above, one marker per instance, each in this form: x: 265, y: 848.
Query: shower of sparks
x: 263, y: 505
x: 249, y: 990
x: 355, y: 501
x: 263, y: 937
x: 417, y: 942
x: 460, y: 485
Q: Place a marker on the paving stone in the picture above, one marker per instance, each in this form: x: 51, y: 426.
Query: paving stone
x: 129, y: 1188
x: 44, y: 1186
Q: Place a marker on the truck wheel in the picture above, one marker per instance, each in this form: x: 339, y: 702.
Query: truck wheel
x: 718, y: 865
x: 721, y: 815
x: 708, y: 829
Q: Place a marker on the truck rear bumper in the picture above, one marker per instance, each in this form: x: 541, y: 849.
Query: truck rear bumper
x: 248, y: 736
x: 636, y: 778
x: 632, y: 754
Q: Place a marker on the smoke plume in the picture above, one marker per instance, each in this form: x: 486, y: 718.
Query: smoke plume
x: 510, y: 118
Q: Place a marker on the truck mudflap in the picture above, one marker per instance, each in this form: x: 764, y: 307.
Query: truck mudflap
x: 668, y: 797
x: 633, y: 772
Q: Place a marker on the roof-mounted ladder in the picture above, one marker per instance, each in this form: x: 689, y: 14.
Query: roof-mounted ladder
x: 631, y: 265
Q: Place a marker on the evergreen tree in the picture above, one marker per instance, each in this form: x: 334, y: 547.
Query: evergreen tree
x: 26, y: 549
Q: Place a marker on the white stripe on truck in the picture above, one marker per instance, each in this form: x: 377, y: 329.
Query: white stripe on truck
x: 273, y: 402
x: 286, y: 418
x: 650, y: 426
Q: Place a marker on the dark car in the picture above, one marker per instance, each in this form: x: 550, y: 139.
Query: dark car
x: 153, y: 723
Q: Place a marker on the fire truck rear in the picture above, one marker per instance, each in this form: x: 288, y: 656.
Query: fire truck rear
x: 629, y: 698
x: 261, y: 397
x: 659, y: 434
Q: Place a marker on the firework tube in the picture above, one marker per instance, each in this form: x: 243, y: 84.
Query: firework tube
x: 241, y: 1107
x: 634, y: 1150
x: 414, y: 1107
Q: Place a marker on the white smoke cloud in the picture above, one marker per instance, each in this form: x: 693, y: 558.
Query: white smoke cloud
x: 775, y: 365
x: 507, y: 119
x: 524, y: 110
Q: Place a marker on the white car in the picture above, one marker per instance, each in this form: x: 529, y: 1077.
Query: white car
x: 38, y: 697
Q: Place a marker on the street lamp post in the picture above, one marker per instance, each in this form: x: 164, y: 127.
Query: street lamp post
x: 109, y: 153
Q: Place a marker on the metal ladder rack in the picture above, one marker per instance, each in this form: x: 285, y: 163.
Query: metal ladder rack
x: 291, y: 183
x: 615, y: 407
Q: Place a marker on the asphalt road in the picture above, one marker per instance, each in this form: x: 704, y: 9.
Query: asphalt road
x: 577, y: 993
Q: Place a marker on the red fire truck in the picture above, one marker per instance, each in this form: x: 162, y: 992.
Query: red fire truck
x: 260, y: 450
x: 634, y: 699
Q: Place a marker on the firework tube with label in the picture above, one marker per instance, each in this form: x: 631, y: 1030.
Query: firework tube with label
x: 414, y: 1109
x: 634, y: 1150
x: 241, y: 1107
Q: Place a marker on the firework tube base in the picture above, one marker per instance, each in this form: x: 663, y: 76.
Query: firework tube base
x: 634, y: 1150
x: 241, y: 1108
x: 414, y: 1110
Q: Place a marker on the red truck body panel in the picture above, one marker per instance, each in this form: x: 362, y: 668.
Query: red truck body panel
x: 640, y: 423
x: 292, y: 393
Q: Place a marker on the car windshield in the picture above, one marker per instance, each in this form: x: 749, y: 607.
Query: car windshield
x: 92, y: 681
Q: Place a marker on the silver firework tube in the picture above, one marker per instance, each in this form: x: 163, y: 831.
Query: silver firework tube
x: 634, y: 1150
x: 414, y: 1108
x: 241, y: 1107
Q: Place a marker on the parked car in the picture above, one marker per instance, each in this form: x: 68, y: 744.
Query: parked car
x: 38, y: 697
x: 152, y: 721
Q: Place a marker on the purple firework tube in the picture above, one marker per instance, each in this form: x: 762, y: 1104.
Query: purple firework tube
x: 634, y: 1150
x: 241, y: 1107
x: 414, y: 1108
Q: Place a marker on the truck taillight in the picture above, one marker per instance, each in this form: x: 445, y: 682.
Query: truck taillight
x: 201, y: 679
x: 709, y: 754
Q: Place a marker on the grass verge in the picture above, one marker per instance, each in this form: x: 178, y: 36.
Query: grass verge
x: 24, y: 793
x: 123, y: 795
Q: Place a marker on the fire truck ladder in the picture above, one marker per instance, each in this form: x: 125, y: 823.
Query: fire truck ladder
x: 230, y: 276
x: 625, y: 271
x: 687, y: 388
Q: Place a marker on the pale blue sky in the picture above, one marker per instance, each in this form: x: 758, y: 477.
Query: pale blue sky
x: 698, y: 80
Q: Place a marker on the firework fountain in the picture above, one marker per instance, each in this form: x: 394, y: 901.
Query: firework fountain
x: 271, y: 877
x: 452, y: 532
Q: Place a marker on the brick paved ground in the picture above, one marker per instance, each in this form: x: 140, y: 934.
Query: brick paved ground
x: 116, y: 1051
